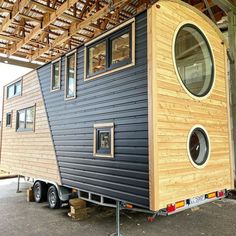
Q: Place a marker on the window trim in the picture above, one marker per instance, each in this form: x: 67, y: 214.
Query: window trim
x: 127, y: 29
x: 195, y: 127
x: 9, y: 126
x: 202, y: 32
x: 13, y: 83
x: 75, y: 76
x: 25, y: 129
x: 107, y: 36
x: 95, y: 140
x: 52, y: 63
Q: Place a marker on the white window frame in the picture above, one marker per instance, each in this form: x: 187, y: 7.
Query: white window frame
x: 75, y: 76
x: 52, y: 74
x: 101, y: 126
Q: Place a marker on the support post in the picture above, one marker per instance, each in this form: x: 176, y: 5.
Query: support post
x: 232, y: 44
x: 18, y: 185
x: 117, y: 219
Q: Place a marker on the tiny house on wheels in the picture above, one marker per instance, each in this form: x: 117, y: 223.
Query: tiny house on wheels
x: 139, y: 115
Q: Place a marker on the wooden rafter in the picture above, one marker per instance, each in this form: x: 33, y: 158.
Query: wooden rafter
x: 48, y: 19
x: 44, y: 29
x: 16, y: 10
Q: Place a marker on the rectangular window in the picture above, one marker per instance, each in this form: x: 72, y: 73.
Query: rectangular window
x: 14, y: 90
x: 56, y: 75
x: 70, y: 83
x: 103, y: 140
x: 97, y: 58
x: 121, y: 49
x: 9, y: 119
x: 114, y: 51
x: 25, y: 119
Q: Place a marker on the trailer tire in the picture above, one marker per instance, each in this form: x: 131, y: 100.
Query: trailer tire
x: 54, y: 201
x: 40, y: 191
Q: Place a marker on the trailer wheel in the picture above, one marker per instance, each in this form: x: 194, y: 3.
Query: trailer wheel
x: 40, y: 191
x: 53, y: 198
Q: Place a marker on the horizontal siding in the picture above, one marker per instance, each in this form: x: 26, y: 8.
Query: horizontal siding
x: 29, y: 153
x: 119, y: 97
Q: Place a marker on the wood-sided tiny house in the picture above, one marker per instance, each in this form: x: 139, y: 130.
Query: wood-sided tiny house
x: 139, y: 114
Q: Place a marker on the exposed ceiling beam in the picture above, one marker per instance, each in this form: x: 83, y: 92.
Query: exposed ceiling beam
x: 17, y: 9
x: 210, y: 11
x: 75, y: 27
x: 48, y: 19
x: 9, y: 38
x: 15, y: 62
x: 226, y: 5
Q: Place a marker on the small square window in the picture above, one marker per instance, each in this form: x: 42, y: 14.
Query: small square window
x: 9, y: 119
x: 104, y: 140
x: 56, y: 75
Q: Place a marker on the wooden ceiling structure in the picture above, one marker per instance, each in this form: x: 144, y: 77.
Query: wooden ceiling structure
x: 42, y: 30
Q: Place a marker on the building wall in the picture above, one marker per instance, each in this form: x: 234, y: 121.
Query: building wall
x: 119, y: 97
x: 174, y: 113
x: 29, y: 153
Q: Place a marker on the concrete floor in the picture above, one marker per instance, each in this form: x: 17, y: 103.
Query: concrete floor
x: 18, y: 217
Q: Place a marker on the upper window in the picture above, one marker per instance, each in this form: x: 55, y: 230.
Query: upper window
x: 14, y: 89
x: 111, y: 52
x: 121, y: 48
x: 70, y: 83
x: 25, y: 119
x: 194, y: 60
x: 8, y: 119
x: 56, y: 75
x: 97, y: 58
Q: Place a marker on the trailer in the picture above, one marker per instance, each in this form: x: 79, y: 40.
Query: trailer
x: 139, y: 115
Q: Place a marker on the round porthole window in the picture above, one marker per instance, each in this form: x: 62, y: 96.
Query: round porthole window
x: 198, y: 147
x: 194, y: 60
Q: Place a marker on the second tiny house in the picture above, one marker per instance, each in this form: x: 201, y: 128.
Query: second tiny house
x: 139, y: 114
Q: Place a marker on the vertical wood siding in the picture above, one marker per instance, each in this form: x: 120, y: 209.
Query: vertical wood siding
x: 29, y: 153
x: 120, y: 97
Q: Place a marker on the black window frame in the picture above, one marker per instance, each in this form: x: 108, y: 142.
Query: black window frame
x: 206, y: 139
x: 25, y: 114
x: 14, y: 85
x: 115, y: 36
x: 190, y: 25
x: 108, y: 39
x: 53, y: 89
x: 7, y: 115
x: 100, y: 150
x: 74, y: 52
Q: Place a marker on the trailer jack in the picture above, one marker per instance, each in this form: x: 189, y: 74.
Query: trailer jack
x: 118, y: 208
x: 18, y: 185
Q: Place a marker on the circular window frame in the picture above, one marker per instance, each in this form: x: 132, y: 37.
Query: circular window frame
x: 213, y: 76
x: 209, y: 147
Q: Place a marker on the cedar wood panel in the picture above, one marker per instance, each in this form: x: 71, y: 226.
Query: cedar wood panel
x: 29, y: 153
x: 174, y: 113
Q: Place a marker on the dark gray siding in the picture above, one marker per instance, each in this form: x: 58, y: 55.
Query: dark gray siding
x: 119, y: 97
